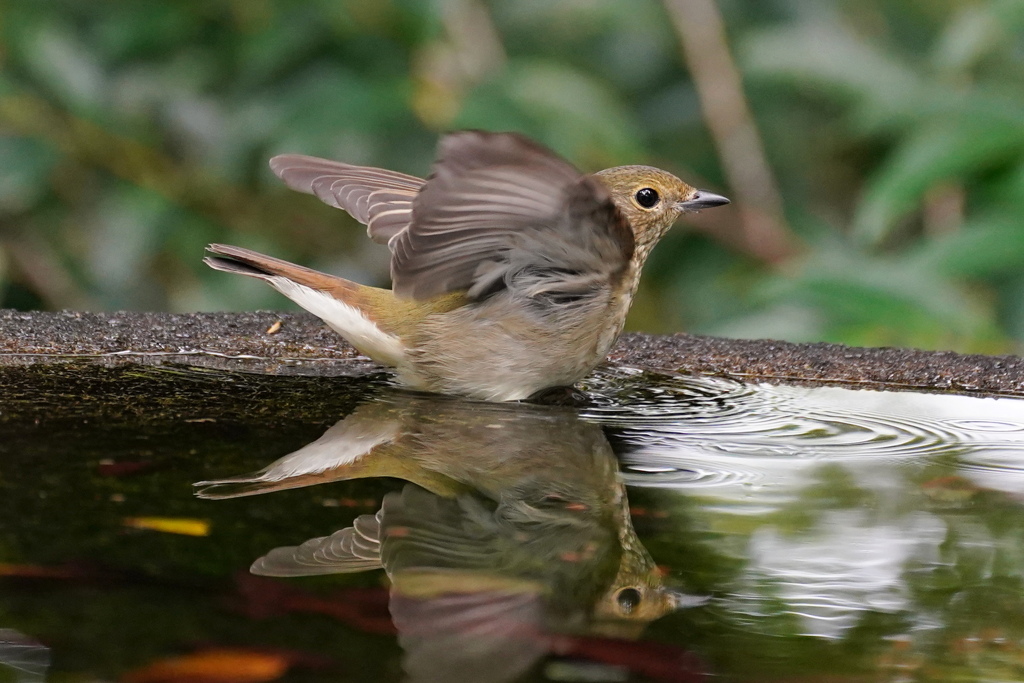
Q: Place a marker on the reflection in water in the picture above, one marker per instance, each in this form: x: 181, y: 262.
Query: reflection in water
x: 514, y: 527
x: 24, y: 659
x: 831, y: 575
x: 841, y: 513
x: 846, y: 535
x: 725, y: 438
x: 841, y: 506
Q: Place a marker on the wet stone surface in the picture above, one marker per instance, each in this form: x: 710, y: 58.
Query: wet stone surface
x: 302, y: 345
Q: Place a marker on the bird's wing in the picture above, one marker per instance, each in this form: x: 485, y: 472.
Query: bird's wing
x: 497, y: 205
x: 424, y: 531
x: 462, y: 607
x: 352, y: 549
x: 378, y: 198
x: 484, y: 636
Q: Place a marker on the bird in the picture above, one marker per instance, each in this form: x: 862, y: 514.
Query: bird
x: 512, y: 271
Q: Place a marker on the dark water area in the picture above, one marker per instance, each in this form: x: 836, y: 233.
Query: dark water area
x: 188, y: 525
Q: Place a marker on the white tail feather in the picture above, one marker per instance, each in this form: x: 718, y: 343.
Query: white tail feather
x: 346, y: 320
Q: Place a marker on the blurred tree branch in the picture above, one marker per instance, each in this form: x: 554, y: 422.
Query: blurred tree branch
x: 704, y: 43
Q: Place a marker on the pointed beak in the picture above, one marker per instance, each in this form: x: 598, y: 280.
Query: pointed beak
x: 703, y: 200
x: 680, y: 600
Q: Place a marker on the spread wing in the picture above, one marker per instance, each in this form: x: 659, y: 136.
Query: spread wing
x: 378, y: 198
x: 498, y: 206
x: 352, y: 549
x: 495, y: 207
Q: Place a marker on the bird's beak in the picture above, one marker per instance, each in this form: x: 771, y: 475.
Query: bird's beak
x: 680, y: 600
x: 703, y: 200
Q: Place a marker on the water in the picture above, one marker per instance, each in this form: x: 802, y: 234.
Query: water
x: 203, y: 526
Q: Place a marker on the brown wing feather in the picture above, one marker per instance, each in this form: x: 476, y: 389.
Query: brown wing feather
x: 378, y: 198
x: 498, y: 204
x: 353, y: 549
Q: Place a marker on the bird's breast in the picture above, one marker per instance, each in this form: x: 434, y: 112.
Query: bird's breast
x: 509, y: 347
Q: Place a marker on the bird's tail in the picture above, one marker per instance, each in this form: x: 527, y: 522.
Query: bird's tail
x: 349, y: 308
x: 248, y: 262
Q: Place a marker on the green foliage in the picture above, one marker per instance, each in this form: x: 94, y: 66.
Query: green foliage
x: 134, y: 133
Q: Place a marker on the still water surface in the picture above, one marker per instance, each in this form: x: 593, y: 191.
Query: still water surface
x: 666, y: 529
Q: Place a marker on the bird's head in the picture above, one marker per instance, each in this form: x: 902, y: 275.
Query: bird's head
x: 652, y: 199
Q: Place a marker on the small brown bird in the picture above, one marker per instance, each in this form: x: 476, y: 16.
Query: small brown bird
x: 512, y: 271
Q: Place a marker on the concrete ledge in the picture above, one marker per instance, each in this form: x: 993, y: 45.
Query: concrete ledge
x: 302, y: 345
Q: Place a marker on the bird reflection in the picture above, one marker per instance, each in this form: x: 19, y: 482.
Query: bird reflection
x: 513, y: 528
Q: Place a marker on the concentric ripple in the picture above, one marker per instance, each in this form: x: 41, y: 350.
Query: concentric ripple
x: 707, y: 432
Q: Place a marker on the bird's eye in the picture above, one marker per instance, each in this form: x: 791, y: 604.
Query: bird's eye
x: 628, y: 599
x: 647, y: 197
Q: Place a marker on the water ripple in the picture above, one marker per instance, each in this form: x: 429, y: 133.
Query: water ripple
x: 700, y: 431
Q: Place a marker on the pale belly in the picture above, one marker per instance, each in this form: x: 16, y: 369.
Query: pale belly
x: 502, y: 352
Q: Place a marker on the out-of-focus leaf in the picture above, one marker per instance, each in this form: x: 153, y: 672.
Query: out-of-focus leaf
x: 142, y: 89
x: 170, y: 525
x: 696, y: 285
x: 975, y: 31
x: 25, y: 173
x: 1011, y: 305
x: 937, y: 152
x: 140, y: 30
x: 67, y: 67
x: 126, y: 230
x: 829, y: 58
x: 1011, y: 189
x: 491, y: 107
x: 562, y: 20
x: 568, y: 110
x: 790, y: 321
x: 880, y: 301
x: 7, y: 85
x: 326, y: 110
x: 880, y: 284
x: 987, y: 246
x: 212, y: 666
x: 265, y: 54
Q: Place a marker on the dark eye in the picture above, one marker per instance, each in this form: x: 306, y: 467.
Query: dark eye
x: 628, y: 598
x: 647, y: 197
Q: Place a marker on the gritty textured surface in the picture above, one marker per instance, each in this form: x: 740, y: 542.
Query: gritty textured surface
x: 304, y: 346
x: 784, y: 363
x: 229, y: 341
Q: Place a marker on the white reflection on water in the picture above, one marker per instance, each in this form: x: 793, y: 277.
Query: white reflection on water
x: 751, y: 447
x: 23, y: 659
x: 846, y: 564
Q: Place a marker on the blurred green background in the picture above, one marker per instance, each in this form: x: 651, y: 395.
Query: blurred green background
x: 874, y: 149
